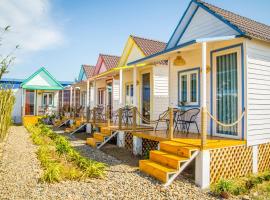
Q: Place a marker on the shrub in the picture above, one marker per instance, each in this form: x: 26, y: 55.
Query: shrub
x: 59, y: 159
x: 52, y: 173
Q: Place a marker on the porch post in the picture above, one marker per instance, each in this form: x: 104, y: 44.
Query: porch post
x: 87, y: 100
x: 95, y: 93
x: 121, y: 88
x: 63, y: 99
x: 135, y: 86
x: 23, y: 100
x: 70, y: 102
x: 203, y: 111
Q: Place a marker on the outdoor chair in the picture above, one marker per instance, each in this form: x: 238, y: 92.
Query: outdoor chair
x: 163, y: 117
x: 186, y: 118
x: 100, y: 112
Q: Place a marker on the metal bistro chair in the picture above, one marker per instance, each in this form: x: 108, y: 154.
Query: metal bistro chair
x: 163, y: 117
x: 186, y: 118
x: 127, y: 115
x: 100, y: 112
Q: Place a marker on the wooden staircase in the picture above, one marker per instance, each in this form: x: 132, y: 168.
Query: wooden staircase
x: 168, y: 162
x: 99, y: 137
x: 74, y: 126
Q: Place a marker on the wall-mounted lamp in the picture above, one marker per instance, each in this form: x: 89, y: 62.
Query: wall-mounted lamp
x: 179, y: 61
x: 208, y: 69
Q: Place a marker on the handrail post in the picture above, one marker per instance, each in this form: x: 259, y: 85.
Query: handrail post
x: 120, y: 113
x: 94, y: 116
x: 171, y: 123
x: 87, y: 114
x: 134, y: 122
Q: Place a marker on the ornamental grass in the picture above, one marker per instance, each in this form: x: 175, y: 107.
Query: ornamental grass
x: 7, y: 100
x: 59, y: 159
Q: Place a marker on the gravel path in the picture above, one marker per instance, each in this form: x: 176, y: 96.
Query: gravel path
x: 20, y: 171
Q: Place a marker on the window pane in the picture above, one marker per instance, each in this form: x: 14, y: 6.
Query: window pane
x: 131, y: 90
x: 193, y: 87
x: 45, y: 99
x: 184, y: 88
x: 127, y: 90
x: 50, y: 99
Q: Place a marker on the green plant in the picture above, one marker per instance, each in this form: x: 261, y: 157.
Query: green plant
x: 62, y: 145
x: 223, y: 188
x: 59, y: 159
x: 52, y: 173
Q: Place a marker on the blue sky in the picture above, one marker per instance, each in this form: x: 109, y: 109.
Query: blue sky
x: 61, y: 35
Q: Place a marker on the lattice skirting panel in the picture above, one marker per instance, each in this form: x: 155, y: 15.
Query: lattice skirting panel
x: 264, y: 157
x: 147, y: 146
x: 230, y: 162
x: 129, y: 141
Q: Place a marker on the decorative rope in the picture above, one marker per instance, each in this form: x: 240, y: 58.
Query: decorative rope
x: 226, y: 125
x: 151, y: 121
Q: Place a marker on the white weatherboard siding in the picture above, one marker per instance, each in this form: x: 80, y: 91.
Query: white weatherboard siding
x: 258, y: 92
x: 92, y: 98
x: 161, y: 90
x: 181, y: 26
x: 205, y: 25
x: 17, y: 110
x: 116, y: 94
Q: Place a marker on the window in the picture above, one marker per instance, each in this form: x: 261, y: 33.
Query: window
x: 189, y: 87
x: 47, y: 99
x: 101, y: 96
x: 129, y: 94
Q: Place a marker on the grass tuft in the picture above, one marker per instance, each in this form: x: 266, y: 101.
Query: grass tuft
x: 59, y: 159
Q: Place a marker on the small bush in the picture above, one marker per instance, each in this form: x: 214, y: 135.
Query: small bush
x: 59, y: 159
x: 52, y: 173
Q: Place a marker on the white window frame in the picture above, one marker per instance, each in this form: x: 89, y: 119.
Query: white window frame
x: 188, y: 73
x: 48, y: 94
x: 101, y: 101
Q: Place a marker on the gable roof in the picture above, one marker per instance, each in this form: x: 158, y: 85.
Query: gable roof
x: 88, y: 70
x: 248, y: 26
x: 148, y: 46
x: 56, y: 86
x: 110, y: 61
x: 223, y: 22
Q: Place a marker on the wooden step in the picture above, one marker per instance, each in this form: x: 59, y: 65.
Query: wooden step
x: 167, y: 159
x: 93, y: 142
x: 156, y: 170
x: 105, y: 130
x: 177, y: 148
x: 100, y: 136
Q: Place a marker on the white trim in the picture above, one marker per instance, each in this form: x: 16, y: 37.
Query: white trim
x: 188, y: 75
x: 134, y: 86
x: 214, y: 39
x: 239, y: 87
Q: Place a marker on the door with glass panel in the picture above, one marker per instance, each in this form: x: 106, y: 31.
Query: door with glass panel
x: 227, y: 98
x: 146, y: 97
x: 29, y: 102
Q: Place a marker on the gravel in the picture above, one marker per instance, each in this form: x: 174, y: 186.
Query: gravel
x: 20, y: 171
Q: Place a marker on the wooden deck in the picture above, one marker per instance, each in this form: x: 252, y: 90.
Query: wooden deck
x: 191, y: 139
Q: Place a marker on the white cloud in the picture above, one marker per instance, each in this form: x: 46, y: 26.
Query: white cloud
x: 31, y: 24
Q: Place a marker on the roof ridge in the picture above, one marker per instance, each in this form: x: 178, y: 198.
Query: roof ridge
x: 206, y: 4
x: 102, y: 54
x: 86, y: 65
x: 139, y: 37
